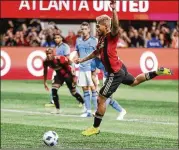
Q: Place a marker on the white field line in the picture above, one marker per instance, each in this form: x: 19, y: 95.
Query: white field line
x: 78, y: 116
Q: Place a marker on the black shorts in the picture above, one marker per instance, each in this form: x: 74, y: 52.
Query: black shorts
x: 114, y: 80
x: 70, y: 81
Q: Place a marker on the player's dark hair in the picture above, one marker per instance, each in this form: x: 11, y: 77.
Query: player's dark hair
x: 85, y: 24
x: 58, y: 34
x: 63, y: 39
x: 49, y: 49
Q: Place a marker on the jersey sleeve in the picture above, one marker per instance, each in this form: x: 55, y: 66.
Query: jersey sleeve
x: 66, y: 50
x: 115, y: 37
x: 63, y: 60
x: 76, y: 45
x: 94, y: 43
x: 45, y: 64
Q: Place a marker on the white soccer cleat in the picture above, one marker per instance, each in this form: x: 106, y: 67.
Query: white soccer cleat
x: 122, y: 114
x: 86, y: 115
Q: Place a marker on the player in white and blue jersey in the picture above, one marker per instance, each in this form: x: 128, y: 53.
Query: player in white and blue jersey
x: 96, y: 63
x: 85, y: 45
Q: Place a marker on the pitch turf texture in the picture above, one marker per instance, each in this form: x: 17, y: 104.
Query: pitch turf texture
x: 151, y: 120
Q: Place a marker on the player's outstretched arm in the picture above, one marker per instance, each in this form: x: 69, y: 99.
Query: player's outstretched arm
x: 115, y: 21
x: 91, y: 56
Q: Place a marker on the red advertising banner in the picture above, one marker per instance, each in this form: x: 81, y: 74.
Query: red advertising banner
x: 19, y: 63
x: 90, y: 9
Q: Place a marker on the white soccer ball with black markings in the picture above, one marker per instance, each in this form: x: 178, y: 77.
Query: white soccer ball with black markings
x: 50, y: 138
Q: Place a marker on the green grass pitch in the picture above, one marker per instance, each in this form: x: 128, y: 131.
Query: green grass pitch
x: 151, y: 120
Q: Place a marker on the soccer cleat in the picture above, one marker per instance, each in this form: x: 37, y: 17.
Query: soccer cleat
x: 86, y: 115
x: 164, y: 71
x: 50, y: 105
x: 80, y: 105
x: 122, y: 114
x: 91, y: 131
x: 56, y: 111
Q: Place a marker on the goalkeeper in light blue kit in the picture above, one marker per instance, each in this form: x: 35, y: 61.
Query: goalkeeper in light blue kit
x: 96, y: 63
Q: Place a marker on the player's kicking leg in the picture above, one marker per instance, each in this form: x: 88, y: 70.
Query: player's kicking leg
x: 146, y: 76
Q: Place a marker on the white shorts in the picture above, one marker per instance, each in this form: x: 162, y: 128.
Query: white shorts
x: 84, y: 79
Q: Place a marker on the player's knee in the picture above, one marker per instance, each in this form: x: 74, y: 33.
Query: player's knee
x: 73, y: 92
x: 56, y: 86
x: 134, y: 83
x: 86, y: 88
x: 93, y: 88
x: 101, y: 101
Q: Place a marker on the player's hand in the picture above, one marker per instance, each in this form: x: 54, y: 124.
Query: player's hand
x: 77, y: 61
x: 113, y: 4
x: 46, y: 86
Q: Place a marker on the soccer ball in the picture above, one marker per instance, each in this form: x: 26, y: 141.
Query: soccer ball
x: 50, y: 138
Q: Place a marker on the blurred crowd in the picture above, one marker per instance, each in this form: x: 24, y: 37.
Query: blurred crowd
x: 159, y: 35
x: 24, y: 32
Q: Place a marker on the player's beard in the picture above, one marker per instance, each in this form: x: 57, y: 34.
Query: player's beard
x: 51, y: 58
x: 59, y: 42
x: 100, y: 33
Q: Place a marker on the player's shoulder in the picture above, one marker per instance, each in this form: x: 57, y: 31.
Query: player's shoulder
x: 45, y: 62
x: 111, y: 36
x: 79, y: 39
x: 93, y: 38
x: 65, y: 45
x: 58, y: 56
x: 61, y: 57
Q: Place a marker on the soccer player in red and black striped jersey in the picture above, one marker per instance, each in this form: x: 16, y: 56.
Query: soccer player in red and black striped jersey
x: 117, y: 72
x: 64, y: 73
